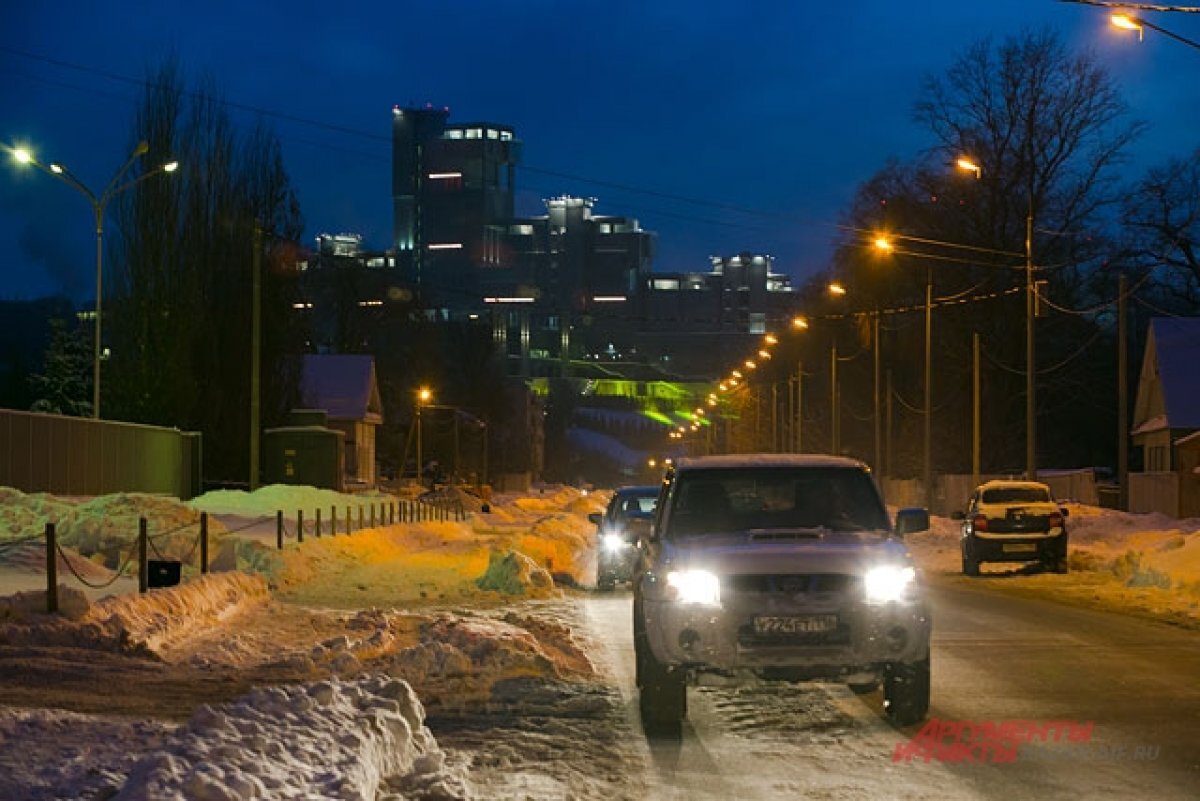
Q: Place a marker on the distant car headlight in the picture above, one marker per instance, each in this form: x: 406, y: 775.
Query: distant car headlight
x: 695, y: 587
x: 612, y: 542
x: 888, y: 583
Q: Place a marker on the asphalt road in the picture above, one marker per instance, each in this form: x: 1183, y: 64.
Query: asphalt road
x: 996, y: 658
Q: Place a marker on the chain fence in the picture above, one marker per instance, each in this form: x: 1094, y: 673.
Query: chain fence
x: 143, y: 551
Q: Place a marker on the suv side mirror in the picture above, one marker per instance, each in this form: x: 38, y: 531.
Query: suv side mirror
x: 595, y: 517
x: 911, y: 520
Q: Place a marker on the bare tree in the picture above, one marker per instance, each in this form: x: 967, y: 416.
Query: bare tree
x: 181, y: 327
x: 1048, y: 128
x: 1161, y: 220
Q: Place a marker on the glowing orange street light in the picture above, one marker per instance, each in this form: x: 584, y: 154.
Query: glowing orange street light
x: 836, y: 289
x: 884, y: 244
x: 967, y: 165
x: 771, y: 339
x: 799, y: 323
x: 750, y: 365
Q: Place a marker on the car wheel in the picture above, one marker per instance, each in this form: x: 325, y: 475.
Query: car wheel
x: 906, y: 691
x: 663, y: 696
x: 970, y: 565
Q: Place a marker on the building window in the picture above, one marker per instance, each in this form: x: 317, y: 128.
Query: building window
x: 664, y: 283
x: 492, y: 133
x: 474, y: 133
x: 506, y: 136
x: 454, y: 133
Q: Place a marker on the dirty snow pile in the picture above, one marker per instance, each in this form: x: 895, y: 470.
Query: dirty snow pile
x: 141, y: 624
x: 331, y: 739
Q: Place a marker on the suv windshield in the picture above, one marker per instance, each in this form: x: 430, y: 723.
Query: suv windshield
x: 1016, y: 495
x: 772, y: 498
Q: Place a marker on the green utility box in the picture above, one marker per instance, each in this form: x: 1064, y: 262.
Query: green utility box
x: 311, y: 455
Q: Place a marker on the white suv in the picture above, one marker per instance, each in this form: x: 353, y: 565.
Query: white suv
x: 779, y: 567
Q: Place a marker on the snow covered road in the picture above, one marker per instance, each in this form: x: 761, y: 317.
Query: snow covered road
x: 995, y: 658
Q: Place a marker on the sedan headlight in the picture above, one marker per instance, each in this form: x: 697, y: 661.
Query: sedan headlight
x: 695, y: 587
x: 612, y: 542
x: 888, y: 583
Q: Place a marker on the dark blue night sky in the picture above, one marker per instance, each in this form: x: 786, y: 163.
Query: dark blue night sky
x: 778, y: 108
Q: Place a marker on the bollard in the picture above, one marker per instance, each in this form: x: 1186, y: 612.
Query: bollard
x: 299, y: 525
x: 203, y: 543
x: 143, y: 564
x: 372, y: 515
x: 392, y: 513
x: 317, y: 523
x: 279, y: 529
x: 360, y: 517
x: 333, y: 520
x: 51, y: 569
x: 347, y: 518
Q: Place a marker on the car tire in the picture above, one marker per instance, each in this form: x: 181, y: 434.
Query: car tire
x: 970, y: 565
x: 662, y: 690
x: 906, y: 691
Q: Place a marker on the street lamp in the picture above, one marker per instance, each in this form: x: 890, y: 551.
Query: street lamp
x: 98, y: 203
x: 1030, y: 293
x: 1129, y: 22
x: 424, y: 395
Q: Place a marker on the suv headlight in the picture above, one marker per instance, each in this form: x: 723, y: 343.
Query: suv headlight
x: 612, y: 542
x: 888, y: 583
x: 694, y: 587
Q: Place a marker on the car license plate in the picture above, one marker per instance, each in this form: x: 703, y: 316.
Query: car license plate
x: 795, y: 625
x: 1019, y: 547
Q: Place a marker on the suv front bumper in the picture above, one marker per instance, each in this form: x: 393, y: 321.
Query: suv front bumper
x: 723, y: 639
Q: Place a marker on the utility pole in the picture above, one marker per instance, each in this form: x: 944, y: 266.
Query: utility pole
x: 255, y: 354
x: 775, y: 418
x: 799, y: 407
x: 836, y: 434
x: 1123, y: 394
x: 976, y: 419
x: 927, y: 476
x: 1030, y: 373
x: 875, y: 398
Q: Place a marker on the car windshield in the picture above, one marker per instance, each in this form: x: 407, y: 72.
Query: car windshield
x: 1016, y: 495
x: 639, y: 505
x: 773, y: 499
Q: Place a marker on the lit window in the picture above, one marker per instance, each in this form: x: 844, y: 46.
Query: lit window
x: 492, y: 133
x: 444, y: 246
x: 506, y: 136
x: 664, y: 283
x: 454, y: 133
x: 474, y: 133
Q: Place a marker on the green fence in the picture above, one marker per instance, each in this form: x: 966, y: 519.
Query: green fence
x: 80, y: 456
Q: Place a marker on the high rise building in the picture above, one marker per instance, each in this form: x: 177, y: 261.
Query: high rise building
x: 452, y: 193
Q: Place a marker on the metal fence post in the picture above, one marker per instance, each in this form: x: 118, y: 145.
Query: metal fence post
x: 317, y: 523
x: 143, y: 564
x: 51, y: 569
x: 360, y: 517
x: 279, y: 529
x: 372, y: 515
x: 299, y: 525
x: 333, y: 520
x: 203, y: 543
x: 348, y: 521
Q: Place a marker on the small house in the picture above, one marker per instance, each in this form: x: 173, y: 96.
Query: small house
x: 345, y: 386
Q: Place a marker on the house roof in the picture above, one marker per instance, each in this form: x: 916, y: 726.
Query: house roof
x: 344, y: 385
x: 1177, y: 345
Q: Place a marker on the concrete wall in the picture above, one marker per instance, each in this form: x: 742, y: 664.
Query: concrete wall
x: 80, y: 456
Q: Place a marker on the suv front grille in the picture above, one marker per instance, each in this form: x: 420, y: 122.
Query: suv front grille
x: 788, y: 584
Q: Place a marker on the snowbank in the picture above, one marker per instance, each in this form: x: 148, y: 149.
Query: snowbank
x: 141, y: 624
x: 330, y: 739
x: 1143, y: 562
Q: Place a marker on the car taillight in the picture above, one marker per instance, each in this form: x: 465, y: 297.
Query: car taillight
x: 979, y: 523
x: 1055, y: 519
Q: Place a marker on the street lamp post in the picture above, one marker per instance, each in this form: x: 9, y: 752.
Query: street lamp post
x: 1030, y: 311
x: 424, y: 394
x: 99, y: 203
